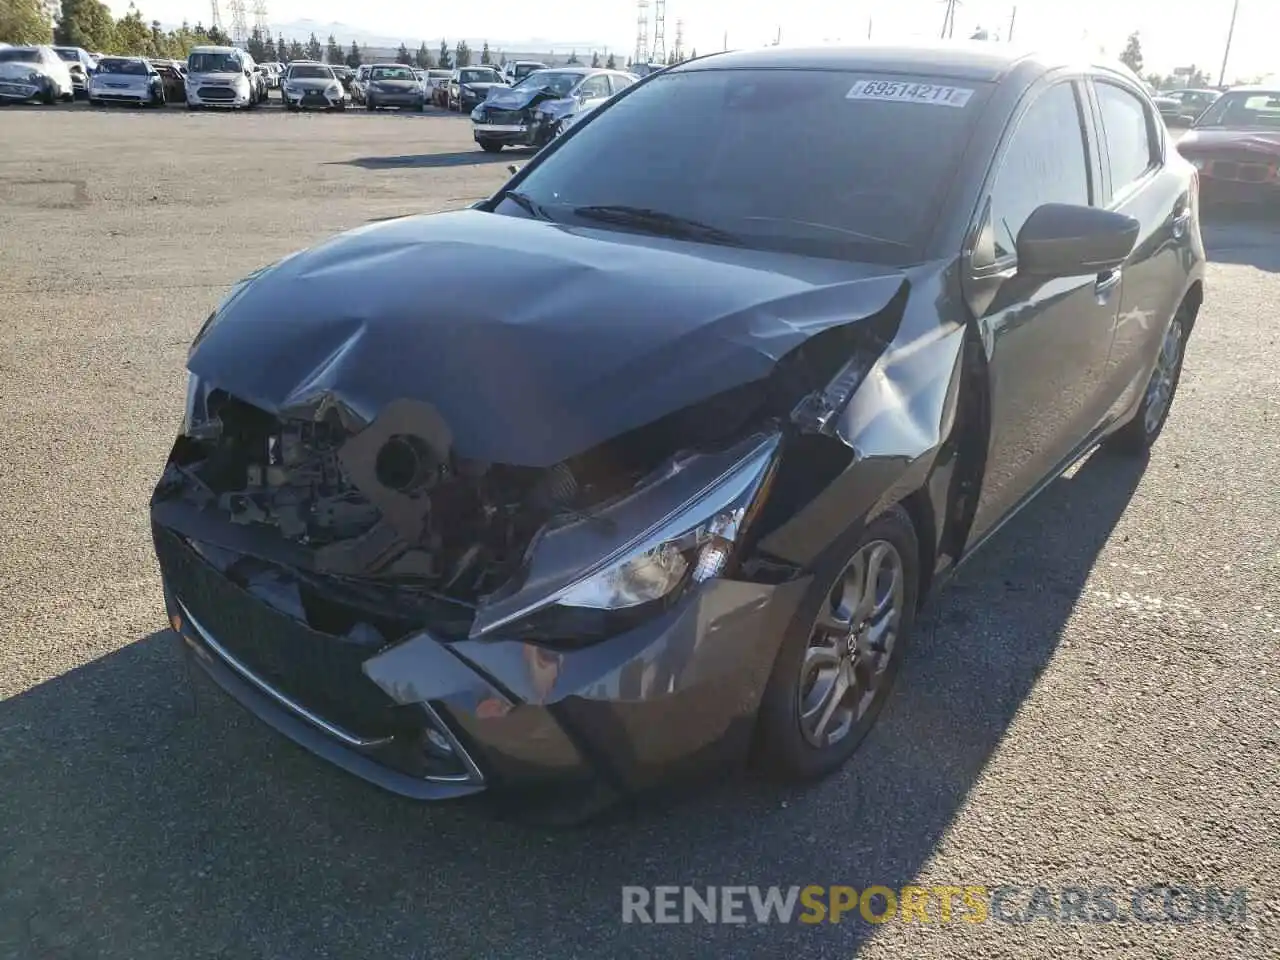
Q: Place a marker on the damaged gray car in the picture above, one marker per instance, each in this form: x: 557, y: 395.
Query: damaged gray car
x: 644, y: 466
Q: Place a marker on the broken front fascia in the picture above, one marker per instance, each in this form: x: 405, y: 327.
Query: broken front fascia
x: 690, y: 517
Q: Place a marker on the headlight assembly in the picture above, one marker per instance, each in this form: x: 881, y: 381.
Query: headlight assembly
x: 635, y: 557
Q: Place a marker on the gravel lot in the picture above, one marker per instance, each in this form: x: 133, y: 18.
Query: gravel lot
x: 1095, y: 701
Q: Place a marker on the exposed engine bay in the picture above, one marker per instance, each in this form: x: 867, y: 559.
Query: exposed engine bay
x: 383, y: 516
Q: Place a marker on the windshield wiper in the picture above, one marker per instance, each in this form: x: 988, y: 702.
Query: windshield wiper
x: 532, y: 206
x: 854, y: 235
x: 658, y: 222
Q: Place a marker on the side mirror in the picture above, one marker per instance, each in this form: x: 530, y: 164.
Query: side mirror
x: 1065, y: 240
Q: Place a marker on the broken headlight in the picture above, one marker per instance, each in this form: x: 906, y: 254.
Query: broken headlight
x: 691, y: 517
x: 653, y: 573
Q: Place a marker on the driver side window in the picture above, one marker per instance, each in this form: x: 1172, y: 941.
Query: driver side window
x: 595, y: 87
x: 1045, y: 161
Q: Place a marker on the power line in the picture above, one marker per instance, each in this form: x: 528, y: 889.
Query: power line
x: 659, y: 54
x: 239, y: 23
x: 1231, y: 32
x: 642, y: 32
x: 949, y: 20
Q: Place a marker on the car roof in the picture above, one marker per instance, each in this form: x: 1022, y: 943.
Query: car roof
x: 959, y: 60
x: 214, y: 48
x: 1256, y: 88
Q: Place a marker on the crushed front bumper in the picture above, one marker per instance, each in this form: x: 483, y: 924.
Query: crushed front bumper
x: 564, y: 731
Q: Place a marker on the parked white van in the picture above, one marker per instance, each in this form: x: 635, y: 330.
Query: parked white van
x: 220, y: 77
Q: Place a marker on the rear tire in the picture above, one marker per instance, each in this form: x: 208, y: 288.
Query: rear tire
x: 812, y: 656
x: 491, y: 147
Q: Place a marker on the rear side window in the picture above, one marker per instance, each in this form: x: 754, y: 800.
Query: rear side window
x: 1045, y: 161
x: 1128, y: 129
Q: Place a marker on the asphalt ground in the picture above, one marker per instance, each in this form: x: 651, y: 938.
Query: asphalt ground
x: 1093, y: 702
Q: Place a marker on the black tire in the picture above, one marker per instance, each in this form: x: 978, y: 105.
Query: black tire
x: 192, y: 106
x: 95, y: 103
x: 418, y: 108
x: 782, y: 749
x: 369, y: 105
x: 1138, y: 436
x: 491, y: 147
x: 49, y: 97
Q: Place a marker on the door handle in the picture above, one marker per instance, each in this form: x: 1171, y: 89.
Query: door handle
x: 1107, y: 281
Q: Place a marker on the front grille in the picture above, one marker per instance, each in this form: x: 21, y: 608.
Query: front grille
x: 317, y: 670
x: 503, y: 116
x: 216, y: 93
x: 314, y: 99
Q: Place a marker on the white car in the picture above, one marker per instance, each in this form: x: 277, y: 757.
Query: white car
x: 34, y: 73
x: 126, y: 80
x: 220, y: 77
x: 313, y: 86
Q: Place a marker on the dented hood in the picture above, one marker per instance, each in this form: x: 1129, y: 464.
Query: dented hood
x: 533, y: 341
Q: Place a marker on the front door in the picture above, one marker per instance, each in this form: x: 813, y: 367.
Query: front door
x: 1047, y: 342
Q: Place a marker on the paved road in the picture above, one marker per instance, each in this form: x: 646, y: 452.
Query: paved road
x: 1095, y: 700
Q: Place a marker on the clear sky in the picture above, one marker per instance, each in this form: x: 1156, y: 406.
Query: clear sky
x: 1174, y: 32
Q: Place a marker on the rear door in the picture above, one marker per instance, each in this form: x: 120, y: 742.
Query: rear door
x: 1047, y: 342
x: 1140, y: 180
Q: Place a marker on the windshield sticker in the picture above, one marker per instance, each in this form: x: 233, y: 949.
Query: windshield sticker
x: 907, y: 92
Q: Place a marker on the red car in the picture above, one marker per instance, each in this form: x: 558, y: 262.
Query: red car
x: 1235, y: 145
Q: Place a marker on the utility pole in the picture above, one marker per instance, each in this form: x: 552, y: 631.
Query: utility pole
x: 1222, y: 75
x: 869, y: 21
x: 1013, y: 18
x: 949, y: 20
x: 726, y: 40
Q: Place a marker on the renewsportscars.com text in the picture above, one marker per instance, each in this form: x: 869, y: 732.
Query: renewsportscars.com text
x: 1006, y: 903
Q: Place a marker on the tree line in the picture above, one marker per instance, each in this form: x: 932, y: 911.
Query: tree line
x: 89, y: 24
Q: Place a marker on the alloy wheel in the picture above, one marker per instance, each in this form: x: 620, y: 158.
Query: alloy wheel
x: 1164, y: 377
x: 851, y: 645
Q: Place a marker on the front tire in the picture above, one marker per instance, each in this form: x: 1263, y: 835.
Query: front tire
x: 841, y: 652
x: 1137, y: 436
x: 491, y: 147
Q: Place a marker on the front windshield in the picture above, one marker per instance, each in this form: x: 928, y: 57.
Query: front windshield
x: 821, y: 163
x: 478, y: 76
x: 132, y: 67
x: 19, y: 55
x: 558, y: 83
x: 310, y: 72
x: 524, y: 69
x: 214, y: 63
x: 392, y: 73
x: 1244, y: 109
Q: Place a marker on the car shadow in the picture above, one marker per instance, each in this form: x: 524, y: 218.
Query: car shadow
x: 1245, y: 235
x: 461, y: 158
x: 146, y: 815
